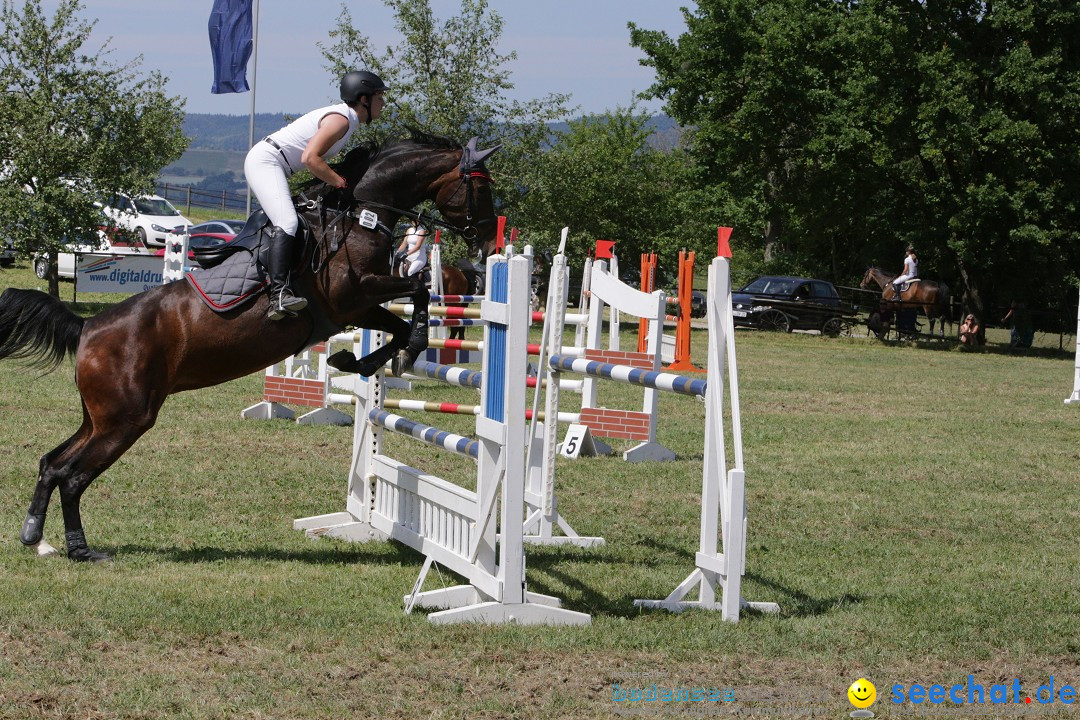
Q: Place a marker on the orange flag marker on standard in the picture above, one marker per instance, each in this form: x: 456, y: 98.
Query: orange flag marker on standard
x: 500, y: 238
x: 723, y: 249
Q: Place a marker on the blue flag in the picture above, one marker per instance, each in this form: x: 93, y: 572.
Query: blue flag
x: 230, y: 42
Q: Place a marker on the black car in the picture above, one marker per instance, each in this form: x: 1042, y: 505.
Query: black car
x: 791, y: 303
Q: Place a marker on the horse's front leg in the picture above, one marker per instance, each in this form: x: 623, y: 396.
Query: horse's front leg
x: 407, y: 340
x: 418, y: 331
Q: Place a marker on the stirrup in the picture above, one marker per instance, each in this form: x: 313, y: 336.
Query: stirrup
x: 275, y: 312
x: 284, y: 305
x: 291, y: 303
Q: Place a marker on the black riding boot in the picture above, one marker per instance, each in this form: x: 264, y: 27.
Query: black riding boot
x: 282, y: 302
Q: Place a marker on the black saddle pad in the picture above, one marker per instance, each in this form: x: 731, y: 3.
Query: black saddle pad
x: 234, y: 273
x: 231, y: 284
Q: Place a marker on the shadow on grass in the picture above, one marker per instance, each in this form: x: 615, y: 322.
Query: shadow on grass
x: 953, y: 345
x: 318, y: 554
x: 793, y: 604
x: 800, y: 604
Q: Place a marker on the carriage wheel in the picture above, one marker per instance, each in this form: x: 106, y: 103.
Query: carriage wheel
x: 774, y: 320
x: 836, y: 327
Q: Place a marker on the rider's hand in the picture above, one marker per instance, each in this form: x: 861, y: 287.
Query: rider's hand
x: 341, y: 184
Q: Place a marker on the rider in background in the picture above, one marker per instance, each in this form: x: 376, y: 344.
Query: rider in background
x: 304, y: 144
x: 413, y: 250
x: 911, y: 270
x: 1023, y: 330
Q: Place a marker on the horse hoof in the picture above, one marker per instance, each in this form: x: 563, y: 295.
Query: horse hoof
x: 344, y: 361
x: 33, y: 529
x: 44, y: 549
x: 86, y: 555
x: 401, y: 363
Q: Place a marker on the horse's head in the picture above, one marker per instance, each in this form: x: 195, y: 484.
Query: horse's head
x: 867, y: 278
x: 466, y: 201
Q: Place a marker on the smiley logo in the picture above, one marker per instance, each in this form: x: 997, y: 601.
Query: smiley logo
x: 862, y: 693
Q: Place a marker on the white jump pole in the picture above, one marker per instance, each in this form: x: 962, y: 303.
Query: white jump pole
x: 1075, y: 397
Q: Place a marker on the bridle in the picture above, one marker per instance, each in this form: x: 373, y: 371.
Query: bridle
x: 472, y: 226
x: 353, y: 212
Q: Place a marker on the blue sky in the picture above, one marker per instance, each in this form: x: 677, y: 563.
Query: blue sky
x: 576, y: 46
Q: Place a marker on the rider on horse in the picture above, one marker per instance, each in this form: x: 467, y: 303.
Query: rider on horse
x: 911, y: 270
x: 303, y: 144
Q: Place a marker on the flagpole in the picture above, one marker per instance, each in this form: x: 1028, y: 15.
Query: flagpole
x: 254, y: 82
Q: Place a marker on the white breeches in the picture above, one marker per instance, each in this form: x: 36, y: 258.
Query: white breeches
x: 903, y: 279
x: 263, y: 168
x: 416, y: 266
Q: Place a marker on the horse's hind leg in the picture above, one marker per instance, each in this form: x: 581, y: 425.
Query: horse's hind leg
x: 83, y: 463
x: 115, y: 416
x: 33, y: 528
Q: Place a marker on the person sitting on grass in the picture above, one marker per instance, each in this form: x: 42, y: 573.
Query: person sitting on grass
x: 969, y: 332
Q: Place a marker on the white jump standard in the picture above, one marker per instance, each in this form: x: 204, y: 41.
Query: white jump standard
x: 721, y: 557
x: 477, y: 535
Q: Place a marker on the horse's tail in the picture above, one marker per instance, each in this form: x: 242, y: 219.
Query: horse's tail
x: 470, y: 280
x: 945, y: 300
x: 37, y: 326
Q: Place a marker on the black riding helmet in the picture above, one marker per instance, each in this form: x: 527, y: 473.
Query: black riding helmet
x: 358, y: 83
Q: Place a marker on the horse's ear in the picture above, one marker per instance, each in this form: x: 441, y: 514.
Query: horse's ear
x: 482, y: 155
x: 472, y: 158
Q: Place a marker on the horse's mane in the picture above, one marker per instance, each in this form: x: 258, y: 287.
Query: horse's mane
x: 358, y: 160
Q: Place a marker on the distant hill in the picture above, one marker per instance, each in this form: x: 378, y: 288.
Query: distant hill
x: 229, y: 132
x: 220, y: 142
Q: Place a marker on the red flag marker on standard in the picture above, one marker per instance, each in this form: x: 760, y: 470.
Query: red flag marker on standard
x: 437, y: 231
x: 604, y: 248
x: 723, y: 249
x: 500, y: 238
x: 513, y: 235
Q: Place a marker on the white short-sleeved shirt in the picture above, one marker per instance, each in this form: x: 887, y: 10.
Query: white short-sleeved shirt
x: 415, y: 241
x: 911, y: 268
x: 294, y: 137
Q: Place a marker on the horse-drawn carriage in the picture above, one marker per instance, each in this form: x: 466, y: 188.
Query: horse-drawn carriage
x: 898, y: 311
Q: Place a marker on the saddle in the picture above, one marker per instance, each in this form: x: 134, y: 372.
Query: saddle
x: 254, y: 238
x: 234, y: 273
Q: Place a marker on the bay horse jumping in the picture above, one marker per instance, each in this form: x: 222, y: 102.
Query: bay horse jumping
x: 132, y: 356
x: 932, y: 297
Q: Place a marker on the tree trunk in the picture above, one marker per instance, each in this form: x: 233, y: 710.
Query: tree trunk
x: 972, y: 299
x: 53, y: 276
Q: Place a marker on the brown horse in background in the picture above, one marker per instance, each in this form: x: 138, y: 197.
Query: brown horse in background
x: 932, y: 297
x: 132, y: 356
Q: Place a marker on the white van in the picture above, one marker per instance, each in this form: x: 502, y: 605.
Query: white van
x: 150, y: 216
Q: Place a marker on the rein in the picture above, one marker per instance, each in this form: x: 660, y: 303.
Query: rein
x: 468, y: 231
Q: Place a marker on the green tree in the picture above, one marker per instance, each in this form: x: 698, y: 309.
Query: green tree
x: 74, y: 127
x: 602, y: 179
x: 446, y: 77
x: 838, y: 131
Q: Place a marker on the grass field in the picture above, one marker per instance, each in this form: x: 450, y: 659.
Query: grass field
x: 913, y: 510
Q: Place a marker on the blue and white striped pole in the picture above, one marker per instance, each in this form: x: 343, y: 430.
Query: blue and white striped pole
x: 635, y: 376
